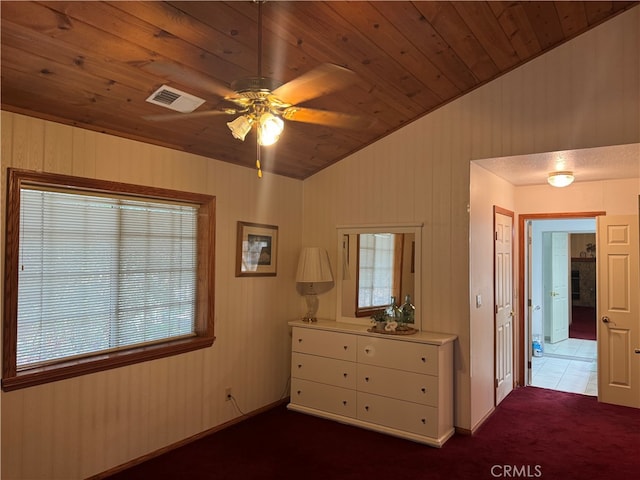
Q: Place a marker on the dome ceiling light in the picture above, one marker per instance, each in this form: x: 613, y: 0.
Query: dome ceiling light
x: 560, y: 178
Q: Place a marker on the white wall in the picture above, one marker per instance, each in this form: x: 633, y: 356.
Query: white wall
x: 615, y: 197
x: 583, y: 94
x: 82, y: 426
x: 487, y: 190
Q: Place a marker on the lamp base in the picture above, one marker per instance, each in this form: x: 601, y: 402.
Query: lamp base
x: 312, y: 307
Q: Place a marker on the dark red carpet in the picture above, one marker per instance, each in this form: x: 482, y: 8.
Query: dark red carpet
x: 583, y: 323
x: 534, y: 433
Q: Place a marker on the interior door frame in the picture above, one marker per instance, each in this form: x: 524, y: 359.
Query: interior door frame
x: 522, y: 294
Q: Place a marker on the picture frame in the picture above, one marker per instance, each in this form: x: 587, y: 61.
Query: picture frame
x: 256, y: 250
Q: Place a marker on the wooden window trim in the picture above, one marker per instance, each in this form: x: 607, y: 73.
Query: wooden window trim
x: 204, y: 327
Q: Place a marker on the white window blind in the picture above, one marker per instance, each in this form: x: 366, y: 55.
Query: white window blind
x: 101, y: 273
x: 375, y: 281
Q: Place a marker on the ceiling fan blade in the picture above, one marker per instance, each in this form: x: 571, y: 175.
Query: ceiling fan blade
x: 323, y: 117
x: 187, y: 77
x: 184, y: 116
x: 322, y: 80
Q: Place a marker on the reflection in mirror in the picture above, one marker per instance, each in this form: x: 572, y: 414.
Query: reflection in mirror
x: 377, y: 264
x: 384, y: 271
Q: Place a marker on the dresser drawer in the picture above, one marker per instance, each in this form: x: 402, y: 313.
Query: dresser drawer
x: 409, y: 386
x: 397, y: 354
x: 341, y: 346
x: 320, y: 396
x: 324, y: 370
x: 407, y: 416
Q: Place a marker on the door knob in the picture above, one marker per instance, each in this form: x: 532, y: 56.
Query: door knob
x: 607, y: 320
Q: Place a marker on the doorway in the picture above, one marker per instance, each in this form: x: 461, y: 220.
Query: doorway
x: 558, y: 353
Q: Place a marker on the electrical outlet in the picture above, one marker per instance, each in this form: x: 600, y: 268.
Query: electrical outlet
x: 227, y: 393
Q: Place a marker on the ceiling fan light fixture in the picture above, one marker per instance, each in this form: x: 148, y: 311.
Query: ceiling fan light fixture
x: 240, y: 127
x: 269, y: 129
x: 560, y: 178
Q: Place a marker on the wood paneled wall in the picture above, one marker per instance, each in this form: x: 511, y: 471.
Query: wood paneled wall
x: 583, y: 94
x: 86, y: 425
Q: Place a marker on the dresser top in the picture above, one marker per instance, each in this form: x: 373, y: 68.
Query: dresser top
x: 433, y: 338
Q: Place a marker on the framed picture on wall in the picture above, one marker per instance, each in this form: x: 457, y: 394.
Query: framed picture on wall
x: 257, y: 250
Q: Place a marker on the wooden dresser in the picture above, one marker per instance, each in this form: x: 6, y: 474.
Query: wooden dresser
x: 395, y: 384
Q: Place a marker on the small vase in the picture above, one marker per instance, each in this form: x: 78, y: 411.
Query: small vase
x: 408, y: 311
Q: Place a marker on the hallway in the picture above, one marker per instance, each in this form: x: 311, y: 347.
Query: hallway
x: 567, y: 366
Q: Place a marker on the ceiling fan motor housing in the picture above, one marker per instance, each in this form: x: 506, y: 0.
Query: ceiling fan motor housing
x: 255, y: 87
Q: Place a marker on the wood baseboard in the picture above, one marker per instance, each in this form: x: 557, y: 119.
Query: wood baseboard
x: 193, y: 438
x: 469, y: 432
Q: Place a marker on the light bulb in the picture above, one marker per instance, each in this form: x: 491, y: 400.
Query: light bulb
x: 269, y: 129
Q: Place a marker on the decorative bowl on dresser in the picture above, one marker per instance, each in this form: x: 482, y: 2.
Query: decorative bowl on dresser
x: 398, y: 385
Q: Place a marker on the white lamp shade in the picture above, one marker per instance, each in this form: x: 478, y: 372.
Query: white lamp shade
x: 560, y: 179
x: 313, y: 277
x: 240, y: 127
x: 314, y: 266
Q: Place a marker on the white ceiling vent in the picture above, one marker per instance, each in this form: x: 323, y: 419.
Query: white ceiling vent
x: 175, y: 99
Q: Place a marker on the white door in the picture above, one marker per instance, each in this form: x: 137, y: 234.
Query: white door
x: 503, y: 272
x: 556, y: 254
x: 618, y: 310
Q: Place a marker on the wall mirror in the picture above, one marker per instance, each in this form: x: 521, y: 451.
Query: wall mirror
x: 375, y: 263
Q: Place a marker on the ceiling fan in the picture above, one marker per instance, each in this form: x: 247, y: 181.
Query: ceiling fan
x: 263, y: 103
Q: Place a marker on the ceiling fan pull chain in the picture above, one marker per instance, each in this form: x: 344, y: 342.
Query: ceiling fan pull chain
x: 258, y: 160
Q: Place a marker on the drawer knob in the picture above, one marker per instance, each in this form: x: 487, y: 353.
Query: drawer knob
x: 344, y: 375
x: 299, y: 340
x: 424, y: 421
x: 367, y: 350
x: 424, y: 360
x: 299, y: 365
x: 423, y: 390
x: 366, y: 379
x: 299, y: 392
x: 346, y: 347
x: 366, y: 407
x: 344, y: 402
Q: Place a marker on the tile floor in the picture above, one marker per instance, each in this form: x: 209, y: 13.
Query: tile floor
x: 568, y: 366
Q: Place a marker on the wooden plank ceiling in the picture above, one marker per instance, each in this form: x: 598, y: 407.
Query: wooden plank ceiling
x: 91, y: 64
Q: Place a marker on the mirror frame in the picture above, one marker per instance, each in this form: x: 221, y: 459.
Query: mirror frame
x: 414, y: 228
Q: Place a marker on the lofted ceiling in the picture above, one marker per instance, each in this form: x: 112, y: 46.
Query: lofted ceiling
x: 93, y: 64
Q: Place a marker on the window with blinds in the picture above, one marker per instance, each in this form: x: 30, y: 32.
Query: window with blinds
x: 101, y: 272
